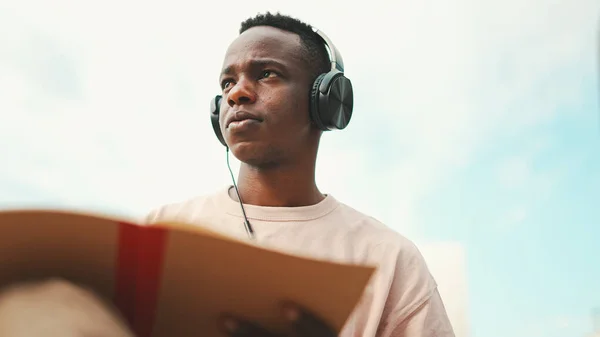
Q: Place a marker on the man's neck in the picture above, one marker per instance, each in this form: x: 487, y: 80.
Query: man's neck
x: 278, y: 187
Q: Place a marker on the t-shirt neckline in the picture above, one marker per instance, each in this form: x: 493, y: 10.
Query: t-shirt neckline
x: 271, y: 213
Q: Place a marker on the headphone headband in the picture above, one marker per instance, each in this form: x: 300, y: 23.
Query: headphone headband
x: 335, y: 57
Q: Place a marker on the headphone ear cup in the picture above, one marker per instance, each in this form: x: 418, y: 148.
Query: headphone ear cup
x: 215, y: 108
x: 332, y: 101
x: 337, y: 104
x: 315, y: 96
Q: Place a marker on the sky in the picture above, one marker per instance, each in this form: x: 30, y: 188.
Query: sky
x: 476, y: 127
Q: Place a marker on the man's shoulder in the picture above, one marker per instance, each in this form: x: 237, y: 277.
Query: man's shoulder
x: 373, y: 229
x: 379, y: 239
x: 183, y: 209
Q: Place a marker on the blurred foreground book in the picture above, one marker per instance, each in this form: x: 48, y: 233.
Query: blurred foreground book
x: 172, y: 279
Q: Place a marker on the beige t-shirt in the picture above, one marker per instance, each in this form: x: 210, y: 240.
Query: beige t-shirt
x: 402, y: 299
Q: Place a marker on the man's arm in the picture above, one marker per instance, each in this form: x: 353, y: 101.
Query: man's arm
x: 428, y: 320
x: 417, y: 310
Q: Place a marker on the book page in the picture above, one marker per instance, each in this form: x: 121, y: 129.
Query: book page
x: 205, y: 276
x: 173, y: 279
x: 36, y: 245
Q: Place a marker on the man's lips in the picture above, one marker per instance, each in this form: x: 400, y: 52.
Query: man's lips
x: 240, y: 116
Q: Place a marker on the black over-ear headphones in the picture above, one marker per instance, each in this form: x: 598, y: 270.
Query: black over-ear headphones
x: 331, y: 97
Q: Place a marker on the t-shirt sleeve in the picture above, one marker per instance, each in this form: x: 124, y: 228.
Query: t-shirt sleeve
x: 151, y: 216
x: 428, y: 320
x: 415, y: 308
x: 168, y: 212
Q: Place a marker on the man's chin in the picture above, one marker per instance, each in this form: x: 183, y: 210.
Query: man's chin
x: 255, y: 154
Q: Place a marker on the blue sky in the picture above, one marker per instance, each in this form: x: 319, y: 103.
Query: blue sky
x: 476, y: 123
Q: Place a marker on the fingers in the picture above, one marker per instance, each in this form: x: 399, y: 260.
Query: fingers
x: 234, y: 327
x: 304, y: 323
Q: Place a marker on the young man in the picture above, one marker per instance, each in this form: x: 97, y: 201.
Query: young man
x: 265, y: 120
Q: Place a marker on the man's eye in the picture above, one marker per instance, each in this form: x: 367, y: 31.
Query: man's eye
x: 267, y: 73
x: 225, y: 84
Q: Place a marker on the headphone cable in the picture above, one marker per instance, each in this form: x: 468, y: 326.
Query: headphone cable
x: 247, y: 225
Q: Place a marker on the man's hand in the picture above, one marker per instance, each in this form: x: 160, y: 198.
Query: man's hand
x: 301, y: 324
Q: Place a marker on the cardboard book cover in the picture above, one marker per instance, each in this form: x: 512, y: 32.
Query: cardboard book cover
x: 170, y: 279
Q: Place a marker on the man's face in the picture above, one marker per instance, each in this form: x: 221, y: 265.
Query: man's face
x: 264, y: 114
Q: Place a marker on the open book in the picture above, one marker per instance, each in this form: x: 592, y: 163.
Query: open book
x: 171, y: 279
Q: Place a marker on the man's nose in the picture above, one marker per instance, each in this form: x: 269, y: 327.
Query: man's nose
x: 241, y: 93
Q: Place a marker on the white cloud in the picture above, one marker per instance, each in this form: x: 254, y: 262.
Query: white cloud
x: 514, y: 217
x: 515, y: 171
x: 439, y: 79
x: 558, y: 326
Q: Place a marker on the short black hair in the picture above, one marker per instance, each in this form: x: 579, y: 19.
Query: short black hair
x: 315, y: 52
